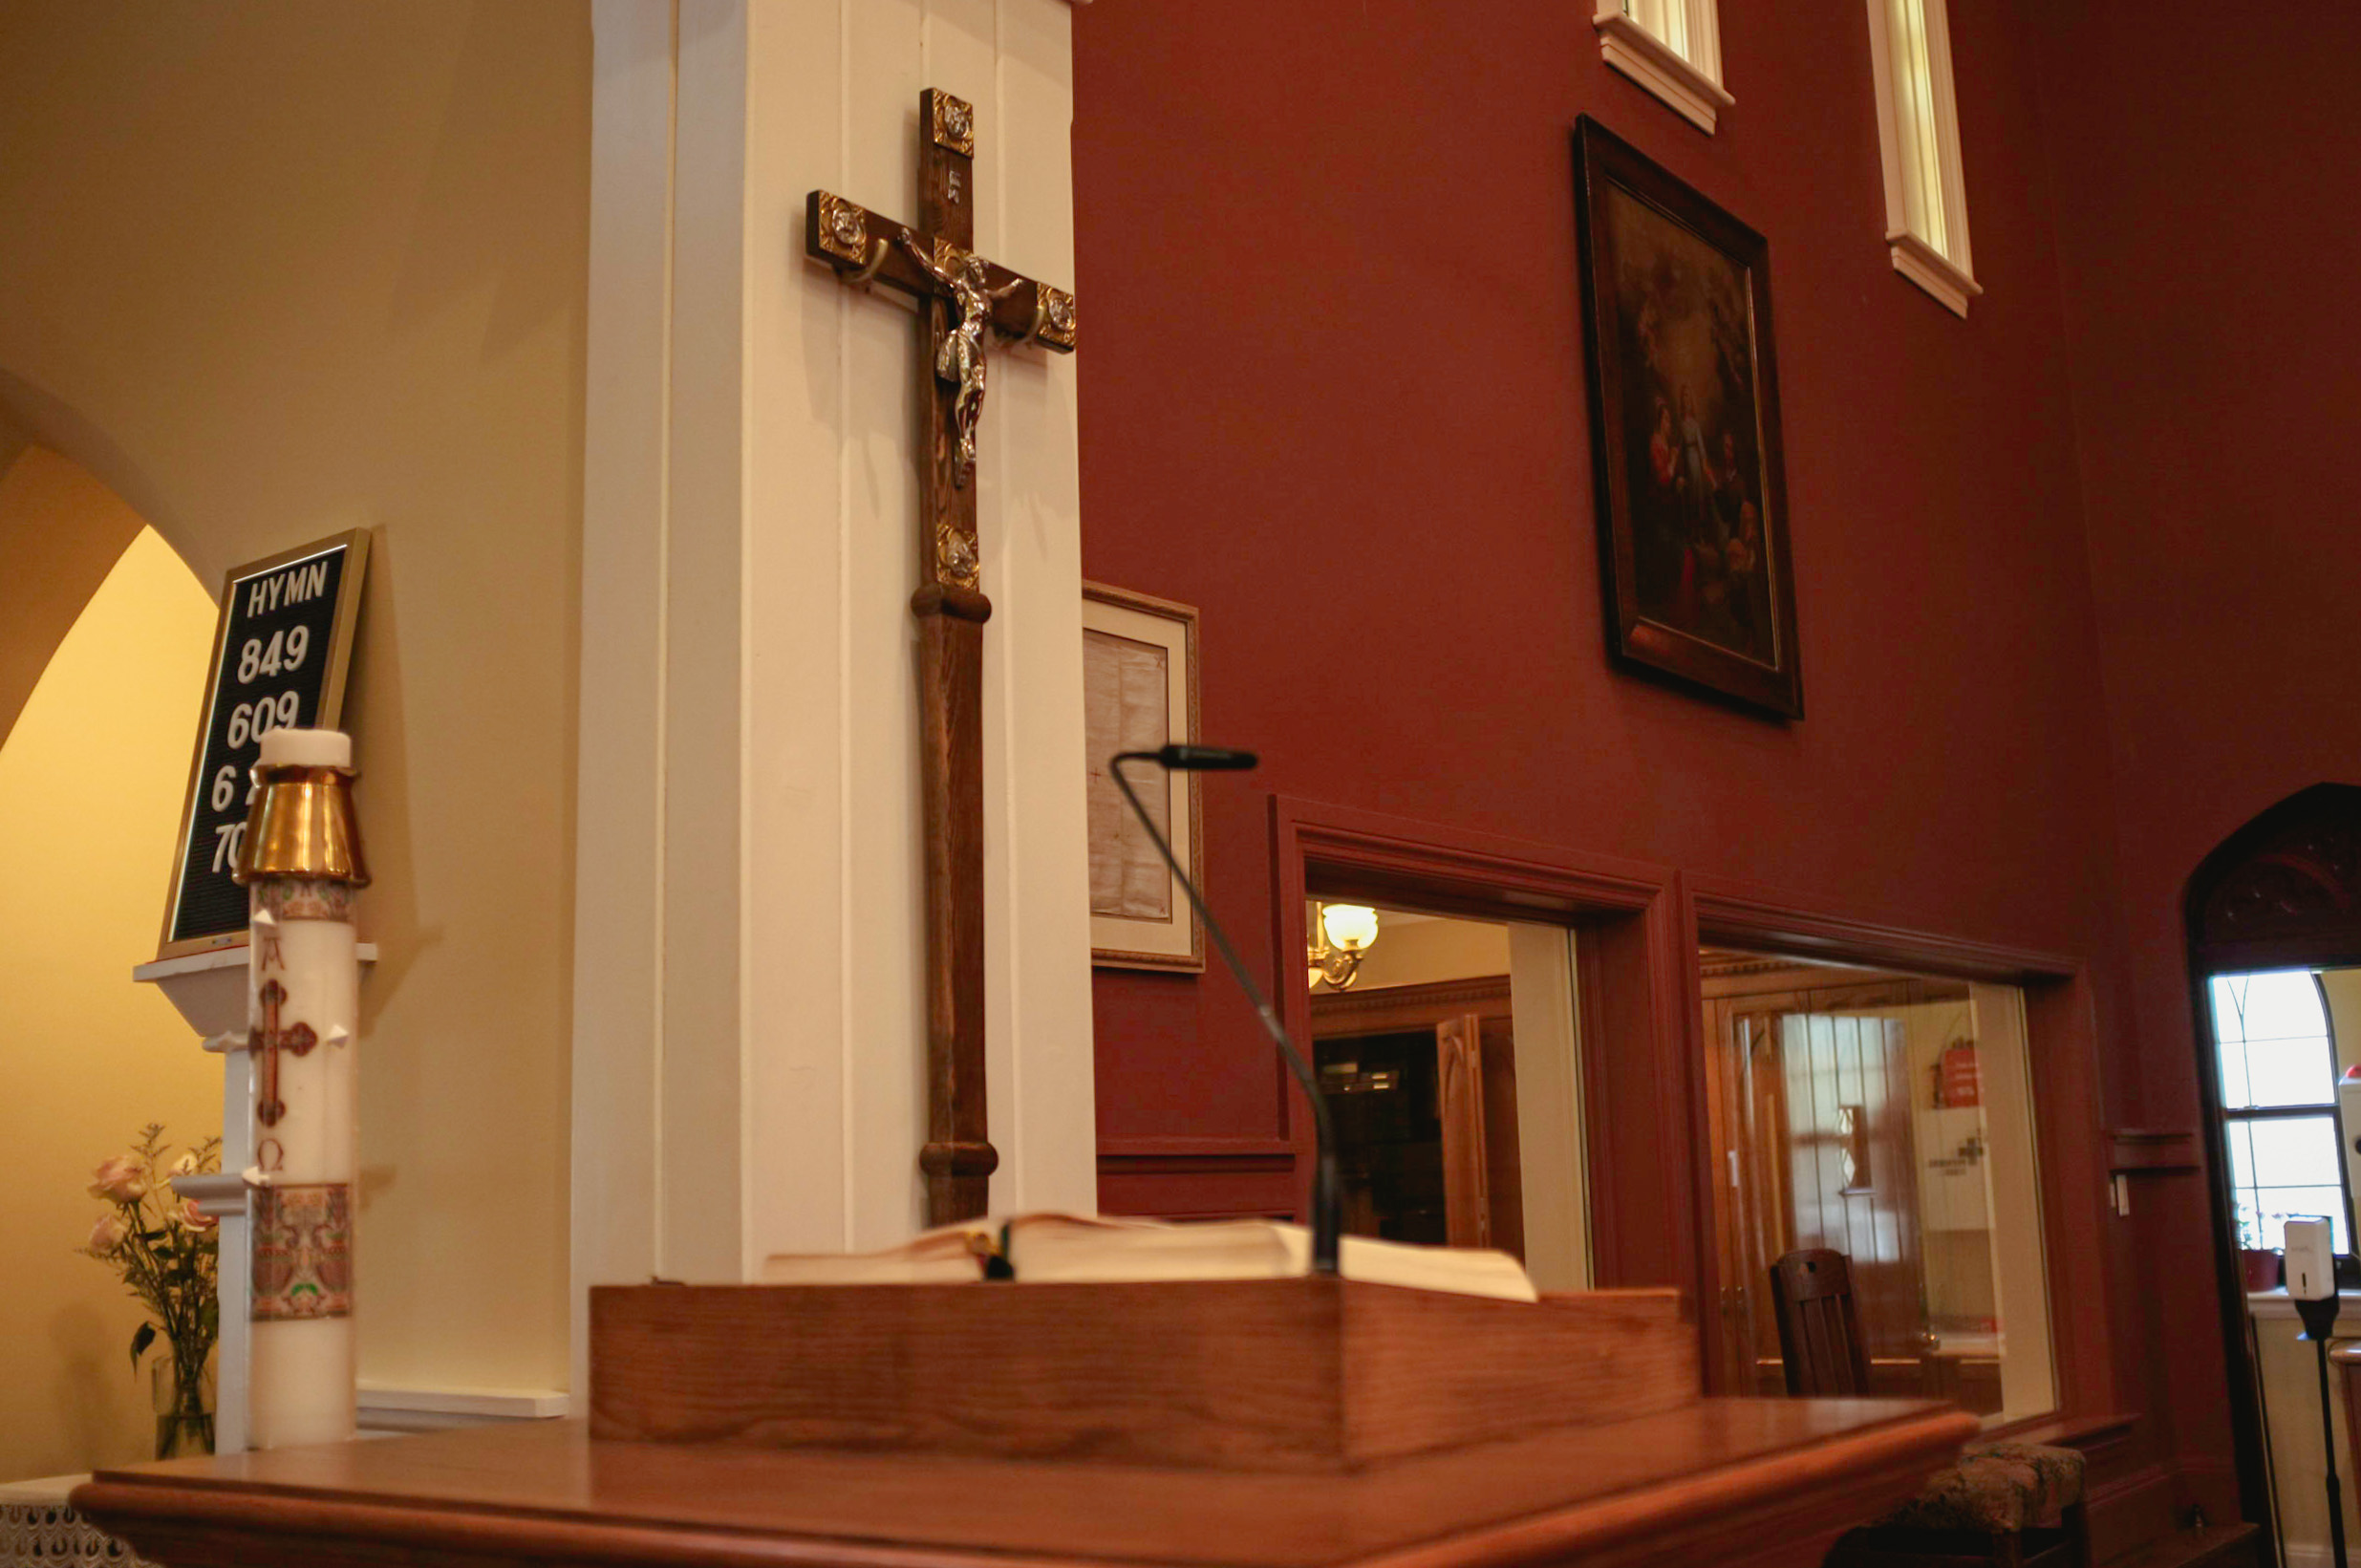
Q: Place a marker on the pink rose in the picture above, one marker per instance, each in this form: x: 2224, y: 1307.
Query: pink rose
x: 192, y: 1216
x: 107, y: 1235
x: 122, y: 1179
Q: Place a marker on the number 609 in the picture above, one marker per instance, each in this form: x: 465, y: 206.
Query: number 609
x: 252, y: 721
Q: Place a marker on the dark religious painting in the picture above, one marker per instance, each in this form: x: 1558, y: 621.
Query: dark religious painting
x: 1684, y: 432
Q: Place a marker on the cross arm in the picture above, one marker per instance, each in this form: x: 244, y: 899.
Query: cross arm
x: 864, y: 247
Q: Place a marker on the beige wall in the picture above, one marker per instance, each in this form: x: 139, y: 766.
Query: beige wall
x: 2342, y: 988
x: 1425, y: 951
x: 90, y: 1056
x: 2289, y: 1368
x: 61, y: 531
x: 275, y: 268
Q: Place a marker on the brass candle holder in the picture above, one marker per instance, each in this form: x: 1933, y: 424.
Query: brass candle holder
x: 302, y: 825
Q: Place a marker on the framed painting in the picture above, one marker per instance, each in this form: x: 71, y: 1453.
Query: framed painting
x: 1693, y: 531
x: 1140, y: 692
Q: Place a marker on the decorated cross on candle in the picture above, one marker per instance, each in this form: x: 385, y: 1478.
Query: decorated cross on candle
x: 967, y: 301
x: 267, y: 1041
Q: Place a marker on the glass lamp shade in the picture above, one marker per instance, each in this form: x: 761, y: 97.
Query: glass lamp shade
x: 1350, y: 928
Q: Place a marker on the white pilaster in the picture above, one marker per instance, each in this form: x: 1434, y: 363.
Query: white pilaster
x: 749, y: 1053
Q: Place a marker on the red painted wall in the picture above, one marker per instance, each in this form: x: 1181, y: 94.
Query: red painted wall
x: 1335, y: 399
x: 1333, y: 395
x: 2206, y: 240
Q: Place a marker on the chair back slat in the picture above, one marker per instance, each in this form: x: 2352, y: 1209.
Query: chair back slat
x: 1820, y: 1334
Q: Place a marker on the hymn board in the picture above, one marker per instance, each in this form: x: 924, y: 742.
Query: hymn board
x: 965, y: 298
x: 281, y: 649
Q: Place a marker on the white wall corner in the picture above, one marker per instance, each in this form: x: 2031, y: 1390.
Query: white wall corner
x: 749, y: 1026
x: 836, y: 1016
x: 1655, y: 65
x: 664, y: 226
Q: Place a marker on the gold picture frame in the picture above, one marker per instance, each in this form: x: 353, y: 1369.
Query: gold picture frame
x: 1140, y: 692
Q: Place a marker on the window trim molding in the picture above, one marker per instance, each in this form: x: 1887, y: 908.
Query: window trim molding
x: 1931, y: 270
x: 1695, y: 92
x: 2062, y: 1042
x: 1639, y: 1142
x: 2332, y: 1107
x: 1948, y: 273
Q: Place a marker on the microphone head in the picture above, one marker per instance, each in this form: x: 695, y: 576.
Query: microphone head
x: 1205, y: 759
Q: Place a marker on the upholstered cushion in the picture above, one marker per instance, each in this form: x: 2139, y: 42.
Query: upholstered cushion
x: 1998, y: 1489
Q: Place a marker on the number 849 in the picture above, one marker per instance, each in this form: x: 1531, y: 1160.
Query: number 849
x: 281, y: 654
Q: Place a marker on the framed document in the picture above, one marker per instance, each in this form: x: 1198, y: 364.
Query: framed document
x: 1140, y: 692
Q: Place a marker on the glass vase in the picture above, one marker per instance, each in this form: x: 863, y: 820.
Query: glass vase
x: 183, y: 1405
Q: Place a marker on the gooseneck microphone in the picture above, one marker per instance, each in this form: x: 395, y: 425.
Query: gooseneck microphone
x: 1327, y: 1207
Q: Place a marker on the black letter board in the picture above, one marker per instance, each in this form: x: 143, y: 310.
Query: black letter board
x: 280, y: 653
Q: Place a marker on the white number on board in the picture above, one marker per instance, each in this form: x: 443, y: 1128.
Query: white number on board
x: 283, y: 655
x: 226, y: 841
x: 252, y: 721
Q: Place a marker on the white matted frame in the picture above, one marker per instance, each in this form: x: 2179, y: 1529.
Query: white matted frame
x: 1673, y: 48
x: 1140, y: 692
x: 1918, y: 138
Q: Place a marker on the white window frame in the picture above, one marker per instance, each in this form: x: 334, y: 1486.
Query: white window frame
x: 1918, y: 140
x: 1673, y: 48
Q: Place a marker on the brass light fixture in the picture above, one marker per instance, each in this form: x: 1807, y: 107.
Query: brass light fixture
x: 1341, y: 935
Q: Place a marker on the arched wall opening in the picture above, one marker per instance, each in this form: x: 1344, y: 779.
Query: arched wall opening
x: 2282, y: 894
x: 104, y: 633
x: 287, y: 270
x: 62, y: 532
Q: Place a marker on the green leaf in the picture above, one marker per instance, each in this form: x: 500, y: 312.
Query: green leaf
x: 140, y: 1342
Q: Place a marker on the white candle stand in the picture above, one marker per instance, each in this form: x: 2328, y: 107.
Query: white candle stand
x: 209, y: 990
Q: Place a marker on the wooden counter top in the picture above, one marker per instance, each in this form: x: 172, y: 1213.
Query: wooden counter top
x: 1722, y: 1480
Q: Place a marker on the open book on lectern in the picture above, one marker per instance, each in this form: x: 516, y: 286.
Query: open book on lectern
x: 1096, y: 1250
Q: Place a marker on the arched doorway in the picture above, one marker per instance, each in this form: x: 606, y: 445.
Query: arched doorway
x: 61, y: 531
x: 2282, y: 894
x: 104, y: 633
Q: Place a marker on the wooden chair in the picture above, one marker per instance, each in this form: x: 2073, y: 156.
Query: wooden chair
x: 1992, y: 1508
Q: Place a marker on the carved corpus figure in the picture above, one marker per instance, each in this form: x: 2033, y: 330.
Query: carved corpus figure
x: 959, y: 359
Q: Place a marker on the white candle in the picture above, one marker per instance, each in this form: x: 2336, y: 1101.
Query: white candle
x: 304, y: 1015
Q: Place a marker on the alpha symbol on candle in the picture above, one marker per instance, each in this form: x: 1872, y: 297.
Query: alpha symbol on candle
x: 267, y: 1041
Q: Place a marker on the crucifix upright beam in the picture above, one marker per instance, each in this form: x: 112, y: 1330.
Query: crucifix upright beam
x: 967, y: 301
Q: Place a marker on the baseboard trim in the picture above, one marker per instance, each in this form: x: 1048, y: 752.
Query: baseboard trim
x: 388, y: 1408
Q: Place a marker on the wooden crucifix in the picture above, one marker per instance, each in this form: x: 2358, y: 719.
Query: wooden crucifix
x: 967, y: 300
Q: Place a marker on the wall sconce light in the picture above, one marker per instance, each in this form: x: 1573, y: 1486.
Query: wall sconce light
x: 1341, y: 934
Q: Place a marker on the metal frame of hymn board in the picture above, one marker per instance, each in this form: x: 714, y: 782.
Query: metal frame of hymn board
x: 281, y: 649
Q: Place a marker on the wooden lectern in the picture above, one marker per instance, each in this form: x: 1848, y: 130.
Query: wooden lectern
x: 1298, y: 1423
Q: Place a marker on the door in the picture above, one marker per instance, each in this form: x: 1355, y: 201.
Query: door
x: 1459, y: 1098
x: 1754, y: 1201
